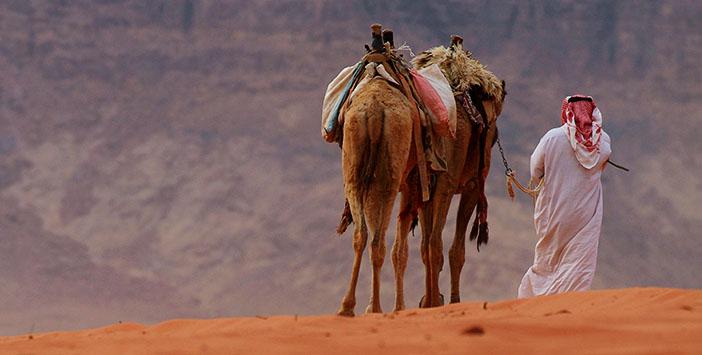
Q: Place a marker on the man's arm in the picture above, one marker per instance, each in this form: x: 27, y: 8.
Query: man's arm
x: 605, y: 149
x: 536, y: 163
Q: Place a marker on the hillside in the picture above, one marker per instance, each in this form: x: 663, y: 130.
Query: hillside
x: 162, y: 159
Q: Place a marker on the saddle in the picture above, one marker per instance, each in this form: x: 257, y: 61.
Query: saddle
x: 383, y: 58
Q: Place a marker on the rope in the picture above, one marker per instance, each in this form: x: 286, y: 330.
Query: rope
x: 512, y: 179
x: 508, y: 170
x: 406, y: 47
x: 534, y: 193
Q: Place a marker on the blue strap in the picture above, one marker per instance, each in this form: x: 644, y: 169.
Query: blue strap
x: 331, y: 123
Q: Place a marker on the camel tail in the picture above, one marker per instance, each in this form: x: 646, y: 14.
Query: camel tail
x: 374, y: 124
x: 366, y: 171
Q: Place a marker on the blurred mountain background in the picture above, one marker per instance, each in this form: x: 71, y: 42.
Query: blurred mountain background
x: 162, y: 159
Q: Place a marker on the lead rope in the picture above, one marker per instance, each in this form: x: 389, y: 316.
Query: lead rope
x: 511, y: 178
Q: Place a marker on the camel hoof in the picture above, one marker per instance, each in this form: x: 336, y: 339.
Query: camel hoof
x: 423, y: 304
x: 345, y: 312
x: 455, y: 299
x: 399, y: 307
x: 370, y: 309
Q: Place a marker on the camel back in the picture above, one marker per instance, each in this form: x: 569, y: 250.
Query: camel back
x: 383, y: 61
x: 462, y: 70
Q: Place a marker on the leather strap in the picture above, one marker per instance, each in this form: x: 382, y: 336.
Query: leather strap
x: 417, y: 133
x: 375, y: 57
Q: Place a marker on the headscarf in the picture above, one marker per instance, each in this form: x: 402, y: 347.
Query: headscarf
x: 582, y: 124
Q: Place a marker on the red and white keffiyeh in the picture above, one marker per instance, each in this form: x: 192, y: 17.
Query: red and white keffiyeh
x: 582, y: 123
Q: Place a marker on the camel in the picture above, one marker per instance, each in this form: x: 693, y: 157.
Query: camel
x: 467, y: 169
x: 376, y: 148
x: 470, y: 197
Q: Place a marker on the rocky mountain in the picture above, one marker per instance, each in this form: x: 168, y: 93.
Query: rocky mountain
x: 162, y: 159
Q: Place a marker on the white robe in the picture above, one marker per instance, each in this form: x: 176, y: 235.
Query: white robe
x: 567, y: 217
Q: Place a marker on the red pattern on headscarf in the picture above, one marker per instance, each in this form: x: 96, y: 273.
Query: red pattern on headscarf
x: 583, y: 119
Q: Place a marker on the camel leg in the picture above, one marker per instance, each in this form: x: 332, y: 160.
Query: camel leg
x: 377, y: 226
x: 425, y: 223
x: 457, y: 253
x: 433, y: 218
x: 360, y: 236
x: 355, y: 142
x: 400, y: 249
x: 377, y: 253
x: 393, y: 150
x: 441, y: 202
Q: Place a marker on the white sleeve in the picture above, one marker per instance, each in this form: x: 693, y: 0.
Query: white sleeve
x: 536, y: 164
x: 605, y: 149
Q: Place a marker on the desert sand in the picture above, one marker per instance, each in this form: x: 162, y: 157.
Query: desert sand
x: 625, y: 321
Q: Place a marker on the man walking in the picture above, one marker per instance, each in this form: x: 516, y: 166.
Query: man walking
x: 568, y: 210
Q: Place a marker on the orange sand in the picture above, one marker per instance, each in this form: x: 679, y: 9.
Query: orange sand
x: 628, y: 321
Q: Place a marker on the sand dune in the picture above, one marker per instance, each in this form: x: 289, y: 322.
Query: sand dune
x: 626, y: 321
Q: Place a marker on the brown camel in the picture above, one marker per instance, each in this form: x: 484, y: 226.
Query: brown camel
x: 467, y: 169
x: 470, y: 196
x: 377, y: 134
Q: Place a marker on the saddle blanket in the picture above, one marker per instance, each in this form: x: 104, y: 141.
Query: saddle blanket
x: 337, y: 92
x: 437, y: 95
x: 431, y: 84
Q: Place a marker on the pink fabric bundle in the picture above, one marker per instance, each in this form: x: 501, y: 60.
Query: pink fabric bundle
x: 431, y: 85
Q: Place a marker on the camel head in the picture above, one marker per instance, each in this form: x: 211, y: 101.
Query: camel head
x: 465, y: 73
